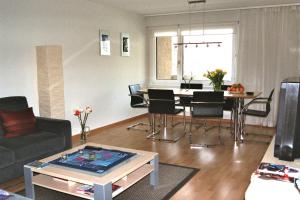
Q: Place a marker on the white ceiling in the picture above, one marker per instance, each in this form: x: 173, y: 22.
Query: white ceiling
x: 153, y: 7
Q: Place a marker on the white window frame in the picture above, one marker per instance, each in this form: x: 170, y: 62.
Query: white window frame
x: 153, y: 82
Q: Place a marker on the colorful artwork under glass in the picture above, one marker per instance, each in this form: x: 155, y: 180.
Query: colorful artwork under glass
x: 93, y: 159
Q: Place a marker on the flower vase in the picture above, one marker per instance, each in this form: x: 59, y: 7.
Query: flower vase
x: 217, y: 86
x: 84, y: 132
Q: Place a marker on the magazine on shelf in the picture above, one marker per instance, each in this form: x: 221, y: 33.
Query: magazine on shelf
x: 277, y: 172
x: 4, y: 195
x: 89, y: 189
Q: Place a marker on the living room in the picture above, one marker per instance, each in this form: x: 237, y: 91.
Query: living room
x: 264, y: 51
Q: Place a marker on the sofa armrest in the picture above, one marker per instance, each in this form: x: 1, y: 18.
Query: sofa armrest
x: 57, y: 126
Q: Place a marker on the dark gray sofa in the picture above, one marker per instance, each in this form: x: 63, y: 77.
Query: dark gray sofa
x: 52, y: 136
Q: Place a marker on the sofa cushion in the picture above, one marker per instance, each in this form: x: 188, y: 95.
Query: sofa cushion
x: 7, y: 157
x: 16, y: 123
x: 33, y: 145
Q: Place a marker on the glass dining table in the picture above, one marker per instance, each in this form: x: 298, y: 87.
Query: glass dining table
x: 238, y: 103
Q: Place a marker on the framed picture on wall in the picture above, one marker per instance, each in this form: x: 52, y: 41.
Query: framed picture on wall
x: 125, y: 44
x: 104, y: 43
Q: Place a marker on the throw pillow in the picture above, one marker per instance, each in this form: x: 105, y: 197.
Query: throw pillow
x: 16, y: 123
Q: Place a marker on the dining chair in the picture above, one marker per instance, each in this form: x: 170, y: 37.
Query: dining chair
x: 207, y: 105
x: 265, y: 102
x: 137, y: 100
x: 191, y: 86
x: 228, y: 106
x: 186, y: 100
x: 163, y: 102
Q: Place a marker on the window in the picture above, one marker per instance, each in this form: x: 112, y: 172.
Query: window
x: 166, y: 56
x: 176, y: 61
x: 197, y: 60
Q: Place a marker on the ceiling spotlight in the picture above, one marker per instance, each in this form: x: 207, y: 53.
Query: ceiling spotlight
x: 219, y: 45
x: 196, y: 45
x: 185, y: 46
x: 175, y: 46
x: 207, y: 45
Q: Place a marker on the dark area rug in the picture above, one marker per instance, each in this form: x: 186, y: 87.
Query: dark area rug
x: 171, y: 179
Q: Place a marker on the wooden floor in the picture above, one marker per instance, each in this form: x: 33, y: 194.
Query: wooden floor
x: 225, y: 169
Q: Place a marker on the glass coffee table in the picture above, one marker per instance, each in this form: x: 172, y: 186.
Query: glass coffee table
x: 107, y: 170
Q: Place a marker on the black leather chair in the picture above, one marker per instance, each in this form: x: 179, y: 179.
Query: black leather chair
x: 191, y: 86
x: 265, y: 101
x: 163, y: 102
x: 206, y: 104
x: 187, y: 100
x: 137, y: 101
x: 228, y: 106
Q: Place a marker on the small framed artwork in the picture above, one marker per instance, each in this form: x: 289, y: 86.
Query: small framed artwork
x: 104, y: 43
x: 125, y: 44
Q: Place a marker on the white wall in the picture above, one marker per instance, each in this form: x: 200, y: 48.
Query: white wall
x: 90, y: 79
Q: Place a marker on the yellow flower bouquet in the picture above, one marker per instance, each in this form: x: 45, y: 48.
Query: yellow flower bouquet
x: 216, y: 78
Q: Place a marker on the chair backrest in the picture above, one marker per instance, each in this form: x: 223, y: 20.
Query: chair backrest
x: 268, y: 105
x: 271, y: 95
x: 134, y: 90
x: 161, y: 101
x: 191, y: 86
x: 208, y: 104
x: 224, y: 87
x: 229, y: 102
x: 208, y: 96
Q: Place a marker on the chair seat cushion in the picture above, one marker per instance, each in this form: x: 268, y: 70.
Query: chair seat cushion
x: 7, y: 157
x: 257, y: 113
x: 16, y: 123
x: 33, y: 145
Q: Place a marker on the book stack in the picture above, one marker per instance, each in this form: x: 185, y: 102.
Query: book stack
x: 274, y: 181
x: 4, y: 195
x: 269, y: 171
x: 89, y: 189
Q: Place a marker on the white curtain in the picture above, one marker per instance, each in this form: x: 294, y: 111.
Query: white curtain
x: 269, y: 51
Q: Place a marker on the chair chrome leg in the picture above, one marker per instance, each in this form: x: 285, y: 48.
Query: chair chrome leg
x: 153, y: 132
x: 184, y: 121
x: 165, y: 126
x: 190, y: 132
x: 150, y: 120
x: 242, y: 126
x: 133, y: 127
x: 193, y: 145
x: 244, y: 134
x: 164, y: 133
x: 174, y: 124
x: 231, y: 119
x: 220, y: 139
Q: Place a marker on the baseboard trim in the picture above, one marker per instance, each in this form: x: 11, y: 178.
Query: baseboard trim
x: 76, y: 138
